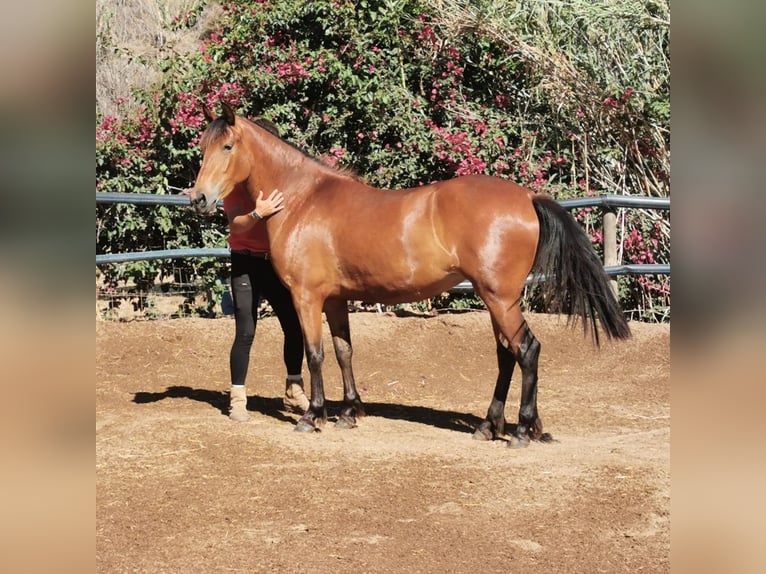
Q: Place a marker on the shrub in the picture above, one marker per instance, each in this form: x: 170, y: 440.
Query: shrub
x: 405, y: 93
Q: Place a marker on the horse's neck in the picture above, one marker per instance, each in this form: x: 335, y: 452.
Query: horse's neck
x: 295, y: 183
x: 277, y: 165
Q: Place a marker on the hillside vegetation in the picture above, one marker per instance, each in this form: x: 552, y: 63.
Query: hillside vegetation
x: 567, y: 98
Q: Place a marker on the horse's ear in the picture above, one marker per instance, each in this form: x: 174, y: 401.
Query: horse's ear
x: 209, y: 115
x: 228, y: 113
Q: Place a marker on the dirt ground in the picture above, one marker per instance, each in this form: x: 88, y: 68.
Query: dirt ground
x: 182, y: 489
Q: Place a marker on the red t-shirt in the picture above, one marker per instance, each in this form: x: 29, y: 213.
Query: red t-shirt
x: 254, y: 239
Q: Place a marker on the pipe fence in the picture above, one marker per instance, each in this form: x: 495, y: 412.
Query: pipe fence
x: 607, y: 203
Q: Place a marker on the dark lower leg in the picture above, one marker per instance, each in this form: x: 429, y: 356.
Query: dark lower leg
x: 316, y: 415
x: 494, y: 423
x: 352, y: 404
x: 530, y: 425
x: 337, y: 317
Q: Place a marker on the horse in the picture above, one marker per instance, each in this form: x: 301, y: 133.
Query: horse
x: 339, y: 239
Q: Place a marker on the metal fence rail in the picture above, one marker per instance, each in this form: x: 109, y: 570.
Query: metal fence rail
x: 608, y: 203
x: 105, y: 258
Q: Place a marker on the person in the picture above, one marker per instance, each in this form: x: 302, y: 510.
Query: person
x: 253, y: 277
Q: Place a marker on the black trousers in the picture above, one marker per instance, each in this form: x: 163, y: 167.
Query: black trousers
x: 252, y: 278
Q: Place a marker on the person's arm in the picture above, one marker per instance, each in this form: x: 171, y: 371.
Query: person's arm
x: 239, y: 221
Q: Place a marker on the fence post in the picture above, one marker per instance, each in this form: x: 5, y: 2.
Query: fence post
x: 610, y: 242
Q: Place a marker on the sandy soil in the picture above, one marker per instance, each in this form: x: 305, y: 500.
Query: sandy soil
x: 181, y: 488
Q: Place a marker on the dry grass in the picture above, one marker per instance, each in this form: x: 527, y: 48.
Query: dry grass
x: 580, y: 52
x: 132, y: 37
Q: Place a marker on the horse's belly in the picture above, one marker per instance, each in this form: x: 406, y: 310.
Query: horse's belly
x: 397, y: 289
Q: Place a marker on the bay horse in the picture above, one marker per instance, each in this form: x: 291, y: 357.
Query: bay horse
x: 339, y: 239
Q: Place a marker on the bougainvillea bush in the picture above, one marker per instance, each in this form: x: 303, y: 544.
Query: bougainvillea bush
x: 405, y: 93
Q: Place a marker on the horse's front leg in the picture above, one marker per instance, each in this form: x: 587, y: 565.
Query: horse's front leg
x: 310, y: 314
x: 336, y: 312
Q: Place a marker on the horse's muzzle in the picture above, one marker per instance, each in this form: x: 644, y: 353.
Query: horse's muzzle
x: 199, y: 203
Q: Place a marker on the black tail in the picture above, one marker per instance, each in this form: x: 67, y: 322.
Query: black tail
x: 571, y: 277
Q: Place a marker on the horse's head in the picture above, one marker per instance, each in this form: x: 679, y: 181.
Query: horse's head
x: 224, y: 161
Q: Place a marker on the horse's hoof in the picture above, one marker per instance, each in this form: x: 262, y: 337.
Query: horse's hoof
x: 485, y: 431
x: 304, y: 426
x: 518, y: 442
x: 482, y: 434
x: 546, y: 437
x: 345, y: 423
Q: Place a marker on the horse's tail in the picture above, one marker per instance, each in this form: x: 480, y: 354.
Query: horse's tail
x: 570, y: 274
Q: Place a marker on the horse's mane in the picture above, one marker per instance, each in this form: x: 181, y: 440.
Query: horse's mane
x: 272, y: 128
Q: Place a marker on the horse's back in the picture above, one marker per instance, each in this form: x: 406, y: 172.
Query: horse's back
x: 482, y: 192
x: 470, y: 207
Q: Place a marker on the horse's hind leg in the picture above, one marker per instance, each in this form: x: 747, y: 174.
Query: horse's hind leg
x: 494, y: 423
x: 515, y: 339
x: 336, y: 312
x: 530, y: 426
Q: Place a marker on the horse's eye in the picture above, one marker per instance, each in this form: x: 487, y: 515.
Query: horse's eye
x: 228, y: 146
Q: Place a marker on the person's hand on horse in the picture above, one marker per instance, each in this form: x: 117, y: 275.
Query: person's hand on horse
x: 270, y: 205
